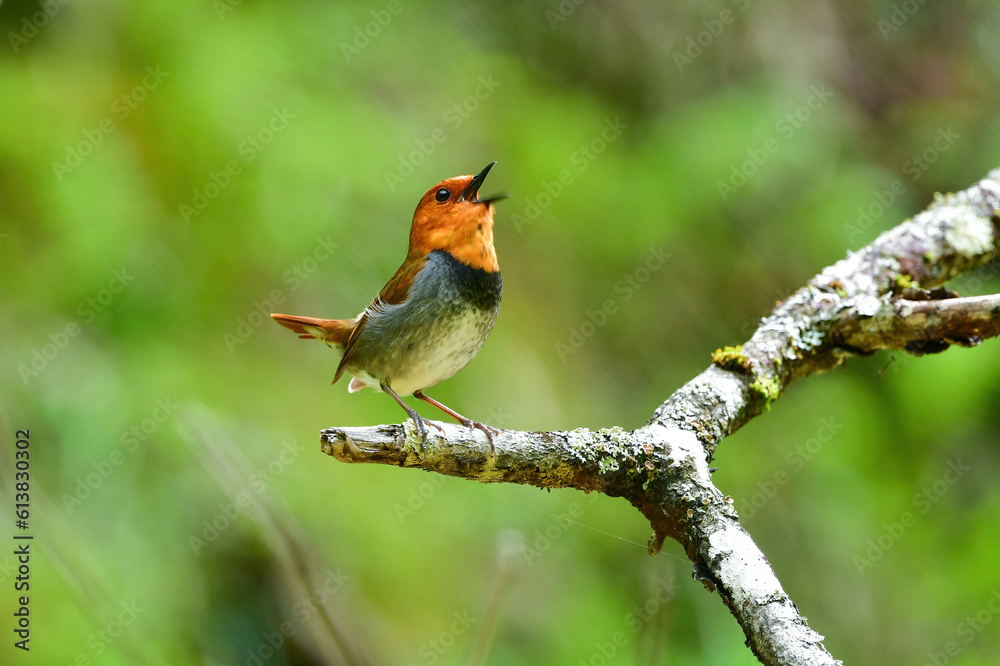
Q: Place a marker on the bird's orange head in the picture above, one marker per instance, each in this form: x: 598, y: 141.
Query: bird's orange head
x: 452, y: 217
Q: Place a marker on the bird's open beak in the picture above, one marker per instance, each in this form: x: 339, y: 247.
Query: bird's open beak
x: 471, y: 193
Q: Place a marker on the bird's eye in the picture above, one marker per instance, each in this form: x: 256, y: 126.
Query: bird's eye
x: 442, y: 195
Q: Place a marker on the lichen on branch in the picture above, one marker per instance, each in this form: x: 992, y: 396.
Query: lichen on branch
x: 886, y: 295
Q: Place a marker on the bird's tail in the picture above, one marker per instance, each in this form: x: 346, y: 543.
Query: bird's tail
x: 330, y: 331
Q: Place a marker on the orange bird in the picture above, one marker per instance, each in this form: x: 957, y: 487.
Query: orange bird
x: 434, y: 314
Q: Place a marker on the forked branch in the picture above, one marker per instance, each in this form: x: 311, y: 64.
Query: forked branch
x: 885, y: 296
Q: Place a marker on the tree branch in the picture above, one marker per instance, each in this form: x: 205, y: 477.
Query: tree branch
x: 868, y: 301
x: 922, y: 326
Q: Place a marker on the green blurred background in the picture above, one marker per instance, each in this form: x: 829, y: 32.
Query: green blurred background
x: 171, y: 171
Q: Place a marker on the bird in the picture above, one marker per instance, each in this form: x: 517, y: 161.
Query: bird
x: 434, y: 314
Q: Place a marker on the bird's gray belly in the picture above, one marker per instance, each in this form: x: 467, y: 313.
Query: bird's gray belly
x: 423, y: 360
x: 435, y: 333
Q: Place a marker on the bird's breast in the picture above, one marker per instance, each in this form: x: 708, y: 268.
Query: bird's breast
x: 446, y: 318
x: 448, y: 345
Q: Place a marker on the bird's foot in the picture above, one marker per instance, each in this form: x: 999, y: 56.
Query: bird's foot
x: 490, y: 431
x: 422, y: 424
x: 418, y: 420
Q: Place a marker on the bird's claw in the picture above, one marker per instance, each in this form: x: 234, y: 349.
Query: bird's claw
x: 421, y: 424
x: 490, y: 431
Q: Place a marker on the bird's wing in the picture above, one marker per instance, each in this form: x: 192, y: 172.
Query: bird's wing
x: 395, y: 291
